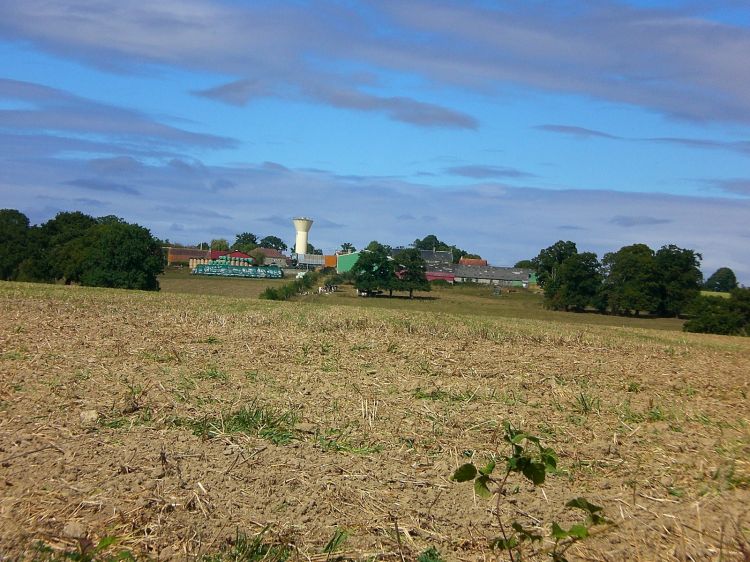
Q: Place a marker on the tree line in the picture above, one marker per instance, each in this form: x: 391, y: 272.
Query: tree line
x: 76, y: 248
x: 636, y: 279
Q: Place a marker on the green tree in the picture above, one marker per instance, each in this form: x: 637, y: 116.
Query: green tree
x: 723, y: 280
x: 525, y: 264
x: 577, y: 284
x: 121, y: 255
x: 410, y: 272
x: 631, y: 280
x: 715, y: 315
x: 313, y: 250
x: 548, y: 262
x: 14, y: 240
x: 220, y: 244
x: 244, y: 239
x: 348, y: 247
x: 374, y: 269
x: 273, y: 242
x: 679, y: 277
x: 59, y: 246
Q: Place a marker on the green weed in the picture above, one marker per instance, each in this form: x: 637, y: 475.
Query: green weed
x: 273, y: 424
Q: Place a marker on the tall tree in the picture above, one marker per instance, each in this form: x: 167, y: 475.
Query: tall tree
x: 245, y: 238
x: 679, y: 277
x: 547, y: 265
x: 374, y: 269
x: 578, y: 283
x: 14, y: 239
x: 348, y: 247
x: 273, y: 242
x: 631, y: 280
x: 723, y: 280
x: 525, y: 264
x: 219, y: 244
x: 121, y: 255
x: 410, y: 272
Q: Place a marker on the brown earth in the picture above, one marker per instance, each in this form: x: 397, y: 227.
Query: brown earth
x: 101, y: 392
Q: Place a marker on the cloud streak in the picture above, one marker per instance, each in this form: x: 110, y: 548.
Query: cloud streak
x: 662, y: 59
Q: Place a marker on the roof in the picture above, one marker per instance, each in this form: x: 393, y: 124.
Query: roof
x: 215, y: 254
x: 473, y: 261
x: 486, y: 272
x: 271, y: 253
x: 175, y: 253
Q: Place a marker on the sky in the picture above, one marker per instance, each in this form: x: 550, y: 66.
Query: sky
x: 500, y: 127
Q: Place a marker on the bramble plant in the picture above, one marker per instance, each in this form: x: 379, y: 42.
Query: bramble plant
x: 531, y: 460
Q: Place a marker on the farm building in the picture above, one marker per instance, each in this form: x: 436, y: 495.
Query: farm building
x: 473, y: 261
x: 274, y: 257
x: 216, y: 254
x: 505, y: 276
x: 345, y: 262
x: 184, y: 255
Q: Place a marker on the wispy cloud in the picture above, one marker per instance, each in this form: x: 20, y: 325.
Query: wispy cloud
x: 574, y: 131
x: 478, y: 171
x: 96, y: 184
x: 57, y: 111
x: 742, y: 147
x: 657, y: 58
x: 629, y: 222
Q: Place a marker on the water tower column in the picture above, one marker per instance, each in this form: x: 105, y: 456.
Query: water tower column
x: 302, y: 226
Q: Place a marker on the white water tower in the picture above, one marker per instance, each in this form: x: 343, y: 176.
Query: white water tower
x: 302, y: 226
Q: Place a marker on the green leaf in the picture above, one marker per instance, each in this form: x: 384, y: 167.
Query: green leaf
x: 558, y: 532
x: 535, y: 471
x: 503, y: 544
x: 549, y: 458
x: 488, y: 468
x: 583, y: 503
x: 481, y: 488
x: 518, y: 437
x: 465, y: 472
x: 105, y: 542
x: 578, y: 531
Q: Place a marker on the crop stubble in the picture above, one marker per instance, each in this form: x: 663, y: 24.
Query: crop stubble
x: 651, y: 425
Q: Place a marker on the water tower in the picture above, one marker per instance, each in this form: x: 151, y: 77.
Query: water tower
x: 302, y: 226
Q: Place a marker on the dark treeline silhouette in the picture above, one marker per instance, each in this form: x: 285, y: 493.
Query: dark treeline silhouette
x: 76, y: 248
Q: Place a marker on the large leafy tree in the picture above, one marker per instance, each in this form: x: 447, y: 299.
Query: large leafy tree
x: 220, y: 244
x: 14, y: 240
x: 723, y: 280
x: 632, y: 280
x: 348, y: 247
x: 525, y: 264
x: 63, y: 240
x: 577, y: 283
x: 547, y: 264
x: 679, y: 277
x: 121, y: 255
x: 374, y: 269
x: 410, y: 270
x: 273, y: 242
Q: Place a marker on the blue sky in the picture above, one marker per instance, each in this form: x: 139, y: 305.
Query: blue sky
x: 501, y: 127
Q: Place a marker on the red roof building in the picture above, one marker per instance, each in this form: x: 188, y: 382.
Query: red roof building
x: 473, y: 261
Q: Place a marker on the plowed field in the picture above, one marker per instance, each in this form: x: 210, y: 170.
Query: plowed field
x: 174, y: 422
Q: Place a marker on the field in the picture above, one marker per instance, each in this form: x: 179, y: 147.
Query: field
x: 174, y: 421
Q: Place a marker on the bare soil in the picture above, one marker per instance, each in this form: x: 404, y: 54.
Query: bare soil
x: 101, y: 393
